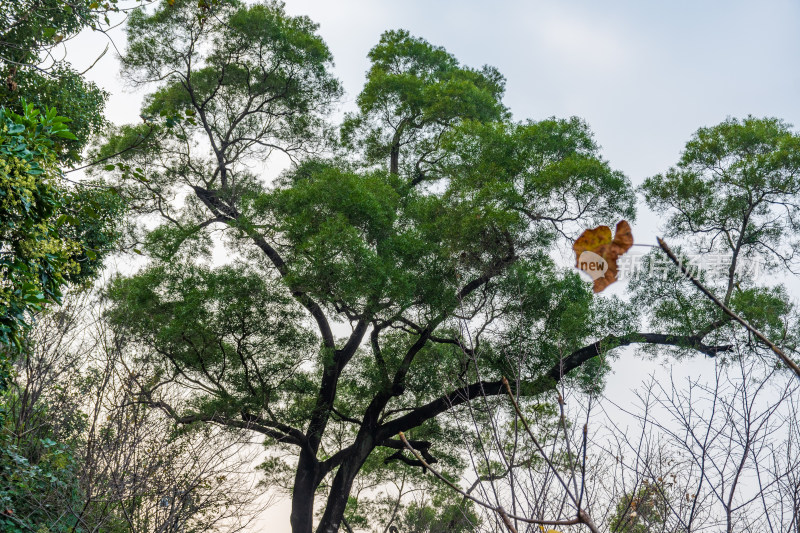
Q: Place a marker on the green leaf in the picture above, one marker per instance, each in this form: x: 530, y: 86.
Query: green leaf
x: 66, y: 134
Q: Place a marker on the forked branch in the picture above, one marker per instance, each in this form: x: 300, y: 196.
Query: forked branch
x: 581, y: 518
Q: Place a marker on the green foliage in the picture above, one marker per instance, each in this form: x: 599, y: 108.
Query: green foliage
x: 540, y: 170
x: 30, y: 27
x: 672, y: 299
x: 439, y: 516
x: 31, y: 31
x: 78, y: 100
x: 414, y: 92
x: 51, y: 235
x: 354, y: 233
x: 733, y: 189
x: 646, y: 510
x: 731, y: 198
x: 39, y: 484
x: 35, y: 259
x: 230, y: 325
x: 253, y: 53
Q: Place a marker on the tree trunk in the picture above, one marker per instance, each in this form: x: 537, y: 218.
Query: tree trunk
x: 305, y: 487
x: 343, y: 484
x: 394, y: 159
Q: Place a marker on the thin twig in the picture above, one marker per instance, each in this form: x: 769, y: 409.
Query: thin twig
x: 95, y: 61
x: 506, y: 517
x: 583, y: 517
x: 787, y: 361
x: 137, y: 144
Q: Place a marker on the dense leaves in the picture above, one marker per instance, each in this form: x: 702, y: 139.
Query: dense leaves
x: 38, y: 469
x: 734, y: 190
x: 51, y: 235
x: 383, y: 281
x: 413, y: 94
x: 227, y: 326
x: 732, y: 199
x: 35, y: 72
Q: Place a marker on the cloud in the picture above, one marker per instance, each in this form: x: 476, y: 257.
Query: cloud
x: 578, y: 41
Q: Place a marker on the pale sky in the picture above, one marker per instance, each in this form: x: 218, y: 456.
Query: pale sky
x: 644, y: 74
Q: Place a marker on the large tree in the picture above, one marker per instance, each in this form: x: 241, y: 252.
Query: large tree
x: 367, y: 292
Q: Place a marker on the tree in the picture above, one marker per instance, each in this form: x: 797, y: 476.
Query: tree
x: 356, y: 283
x: 51, y: 235
x: 79, y: 453
x: 726, y: 456
x: 54, y: 233
x: 733, y: 195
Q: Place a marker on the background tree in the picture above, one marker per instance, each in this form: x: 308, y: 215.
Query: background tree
x: 733, y: 198
x: 78, y: 452
x: 721, y: 434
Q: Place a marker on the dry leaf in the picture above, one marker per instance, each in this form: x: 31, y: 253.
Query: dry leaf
x: 596, y: 253
x: 549, y: 530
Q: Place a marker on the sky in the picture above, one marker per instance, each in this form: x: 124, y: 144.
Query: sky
x: 643, y: 74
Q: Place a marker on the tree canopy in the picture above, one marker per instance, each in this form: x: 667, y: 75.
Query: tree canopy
x: 51, y: 235
x: 400, y: 269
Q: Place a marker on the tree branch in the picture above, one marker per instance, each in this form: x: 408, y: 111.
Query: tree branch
x: 250, y: 423
x: 499, y: 510
x: 422, y: 445
x: 544, y: 382
x: 783, y: 357
x: 230, y: 215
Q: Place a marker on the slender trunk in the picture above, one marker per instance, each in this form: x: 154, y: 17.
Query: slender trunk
x: 394, y: 159
x: 394, y: 151
x: 735, y: 257
x: 305, y: 487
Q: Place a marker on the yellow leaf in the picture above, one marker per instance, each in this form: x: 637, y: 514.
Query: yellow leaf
x: 596, y: 253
